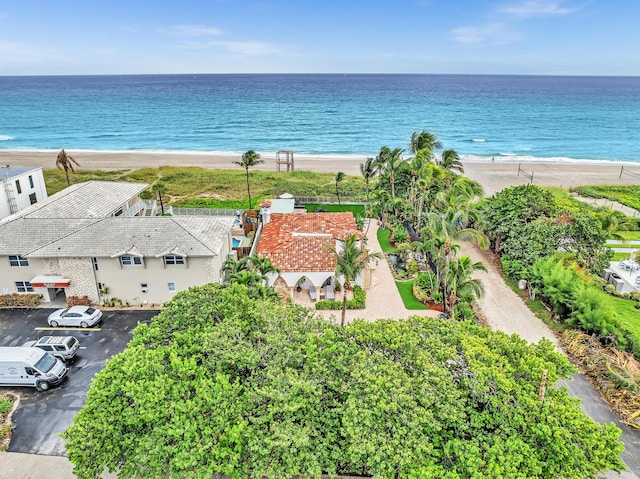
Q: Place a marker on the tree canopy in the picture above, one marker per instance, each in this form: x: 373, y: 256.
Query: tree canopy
x: 222, y: 382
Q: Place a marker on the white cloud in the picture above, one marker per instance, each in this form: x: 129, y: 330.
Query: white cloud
x: 194, y: 30
x: 535, y: 8
x: 489, y: 34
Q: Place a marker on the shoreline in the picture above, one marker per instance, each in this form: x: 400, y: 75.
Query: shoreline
x: 492, y: 175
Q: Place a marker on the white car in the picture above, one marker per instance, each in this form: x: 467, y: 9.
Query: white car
x: 83, y: 316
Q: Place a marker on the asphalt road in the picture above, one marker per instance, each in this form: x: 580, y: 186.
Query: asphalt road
x: 43, y: 415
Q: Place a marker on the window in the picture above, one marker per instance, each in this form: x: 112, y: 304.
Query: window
x: 101, y: 289
x: 33, y: 198
x: 18, y: 261
x: 24, y: 287
x: 144, y: 287
x: 172, y: 287
x: 94, y: 261
x: 173, y: 259
x: 30, y: 181
x: 18, y: 187
x: 130, y: 260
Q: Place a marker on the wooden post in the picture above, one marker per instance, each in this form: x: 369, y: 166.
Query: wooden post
x: 518, y: 169
x: 543, y: 387
x: 621, y: 170
x: 531, y: 182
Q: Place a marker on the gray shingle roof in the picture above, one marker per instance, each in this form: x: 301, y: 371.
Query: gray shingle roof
x: 91, y: 199
x: 144, y: 236
x: 23, y: 235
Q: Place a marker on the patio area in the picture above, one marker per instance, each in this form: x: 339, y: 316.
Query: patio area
x: 624, y: 275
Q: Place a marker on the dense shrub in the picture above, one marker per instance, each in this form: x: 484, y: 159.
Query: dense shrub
x: 15, y: 300
x: 220, y: 383
x: 399, y: 235
x: 78, y: 301
x: 420, y: 293
x: 358, y: 301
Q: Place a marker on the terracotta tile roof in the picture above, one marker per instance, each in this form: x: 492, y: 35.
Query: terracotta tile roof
x: 298, y: 242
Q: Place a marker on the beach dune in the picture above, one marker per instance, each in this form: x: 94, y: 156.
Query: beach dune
x: 492, y: 175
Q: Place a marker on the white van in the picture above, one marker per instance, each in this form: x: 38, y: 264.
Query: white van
x: 21, y: 366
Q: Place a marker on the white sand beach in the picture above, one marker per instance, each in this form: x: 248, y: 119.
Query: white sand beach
x: 492, y: 175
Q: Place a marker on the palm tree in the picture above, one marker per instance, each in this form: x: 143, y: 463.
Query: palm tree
x: 424, y: 141
x: 613, y: 222
x: 263, y: 266
x: 160, y: 188
x: 459, y: 282
x: 350, y: 261
x: 338, y: 178
x: 65, y: 162
x: 233, y: 266
x: 249, y: 159
x: 391, y: 161
x: 368, y: 170
x: 450, y: 161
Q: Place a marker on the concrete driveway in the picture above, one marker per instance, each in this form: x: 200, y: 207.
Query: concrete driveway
x: 41, y: 416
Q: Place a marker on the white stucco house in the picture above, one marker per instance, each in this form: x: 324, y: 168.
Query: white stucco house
x: 20, y: 187
x: 96, y: 236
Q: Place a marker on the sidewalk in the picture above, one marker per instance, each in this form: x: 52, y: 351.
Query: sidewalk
x: 14, y: 465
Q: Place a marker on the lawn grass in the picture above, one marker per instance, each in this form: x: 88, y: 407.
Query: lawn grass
x: 184, y: 184
x: 383, y: 239
x: 628, y: 195
x: 334, y: 208
x: 630, y: 235
x: 618, y: 255
x: 628, y: 315
x: 406, y: 293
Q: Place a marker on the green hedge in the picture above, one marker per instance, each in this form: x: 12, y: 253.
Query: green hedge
x: 358, y: 301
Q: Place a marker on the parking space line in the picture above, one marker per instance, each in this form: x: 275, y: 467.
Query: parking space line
x: 70, y: 328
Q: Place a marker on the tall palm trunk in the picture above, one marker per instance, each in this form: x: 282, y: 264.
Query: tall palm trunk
x: 248, y: 188
x: 345, y: 287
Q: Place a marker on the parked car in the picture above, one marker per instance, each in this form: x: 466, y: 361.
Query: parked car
x: 83, y: 316
x: 30, y: 367
x: 62, y: 347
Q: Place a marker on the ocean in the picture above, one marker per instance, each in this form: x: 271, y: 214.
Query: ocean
x: 480, y: 116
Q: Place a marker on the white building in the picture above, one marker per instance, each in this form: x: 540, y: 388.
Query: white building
x: 96, y: 236
x: 19, y: 188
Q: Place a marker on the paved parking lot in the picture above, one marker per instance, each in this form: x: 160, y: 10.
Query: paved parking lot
x: 41, y: 416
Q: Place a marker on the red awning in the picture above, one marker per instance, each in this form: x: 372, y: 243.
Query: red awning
x: 50, y: 282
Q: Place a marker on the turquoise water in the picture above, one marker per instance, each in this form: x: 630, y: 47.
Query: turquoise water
x: 595, y: 118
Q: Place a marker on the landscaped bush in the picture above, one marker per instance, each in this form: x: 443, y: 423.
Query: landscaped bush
x: 15, y: 300
x: 358, y: 301
x: 78, y: 301
x: 420, y: 293
x: 6, y: 404
x: 399, y: 235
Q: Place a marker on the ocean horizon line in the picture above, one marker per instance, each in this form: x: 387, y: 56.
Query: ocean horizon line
x: 523, y: 75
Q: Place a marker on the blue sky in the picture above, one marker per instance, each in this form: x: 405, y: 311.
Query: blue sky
x: 549, y: 37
